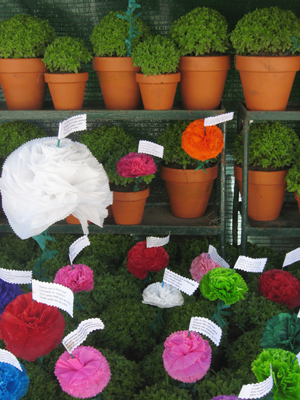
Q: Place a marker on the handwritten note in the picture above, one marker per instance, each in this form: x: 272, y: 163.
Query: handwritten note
x: 257, y: 390
x: 250, y: 264
x: 151, y: 148
x: 212, y: 251
x: 77, y: 246
x: 70, y: 125
x: 291, y: 257
x: 218, y: 119
x: 152, y: 241
x: 207, y: 328
x: 185, y: 285
x: 14, y: 276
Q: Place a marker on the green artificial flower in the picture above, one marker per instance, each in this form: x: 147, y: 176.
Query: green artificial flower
x: 282, y: 331
x: 286, y: 372
x: 224, y: 284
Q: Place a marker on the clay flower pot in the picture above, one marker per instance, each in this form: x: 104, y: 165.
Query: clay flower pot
x: 116, y: 77
x: 298, y: 200
x: 188, y: 190
x: 128, y: 207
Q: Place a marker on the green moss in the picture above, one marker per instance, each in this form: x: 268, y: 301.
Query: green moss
x: 162, y: 391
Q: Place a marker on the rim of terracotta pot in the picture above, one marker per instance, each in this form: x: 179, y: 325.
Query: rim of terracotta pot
x: 114, y: 64
x: 164, y: 78
x: 205, y: 63
x: 66, y: 77
x: 15, y: 65
x: 131, y: 196
x: 269, y: 177
x: 188, y: 175
x: 267, y: 64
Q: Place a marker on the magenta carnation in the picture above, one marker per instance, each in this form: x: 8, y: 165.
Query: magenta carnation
x: 226, y: 397
x: 85, y: 375
x: 201, y: 265
x: 78, y: 278
x: 186, y: 359
x: 135, y: 165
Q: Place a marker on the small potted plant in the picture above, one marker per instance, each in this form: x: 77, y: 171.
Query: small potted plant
x: 272, y: 151
x: 112, y: 40
x: 63, y: 59
x: 189, y: 174
x: 203, y: 39
x: 23, y: 40
x: 158, y: 58
x: 263, y: 44
x: 293, y: 180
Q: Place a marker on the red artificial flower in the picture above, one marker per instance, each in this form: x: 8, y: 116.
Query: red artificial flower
x: 135, y: 165
x: 31, y: 329
x: 280, y: 287
x: 141, y: 259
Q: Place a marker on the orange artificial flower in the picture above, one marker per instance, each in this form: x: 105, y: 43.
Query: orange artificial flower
x: 202, y: 145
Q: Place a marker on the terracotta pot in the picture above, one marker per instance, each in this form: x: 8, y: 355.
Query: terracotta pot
x: 266, y: 192
x: 128, y: 207
x: 23, y: 84
x: 67, y: 90
x: 297, y: 199
x: 70, y: 219
x: 158, y: 91
x: 116, y: 77
x: 202, y: 81
x: 188, y: 190
x: 267, y: 81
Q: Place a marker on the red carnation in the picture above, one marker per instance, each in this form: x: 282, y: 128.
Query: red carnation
x: 280, y: 287
x: 141, y: 259
x: 31, y: 329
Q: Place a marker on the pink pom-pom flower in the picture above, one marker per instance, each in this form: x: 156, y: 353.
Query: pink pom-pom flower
x: 201, y: 265
x: 78, y: 278
x: 186, y: 359
x: 85, y: 375
x: 135, y: 165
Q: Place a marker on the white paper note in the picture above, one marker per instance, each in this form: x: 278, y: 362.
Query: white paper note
x: 73, y: 124
x: 77, y: 246
x: 291, y: 257
x: 151, y: 148
x: 207, y: 328
x: 9, y: 358
x: 298, y: 358
x: 250, y: 264
x: 212, y: 251
x: 185, y: 285
x: 75, y: 338
x: 53, y: 294
x: 257, y: 390
x: 152, y: 241
x: 14, y: 276
x: 218, y: 119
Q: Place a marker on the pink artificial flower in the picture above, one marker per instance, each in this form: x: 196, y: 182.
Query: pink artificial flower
x: 78, y: 278
x: 201, y: 265
x: 186, y: 359
x: 85, y: 375
x: 135, y: 165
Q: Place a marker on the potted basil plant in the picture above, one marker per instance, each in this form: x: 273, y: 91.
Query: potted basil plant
x: 293, y: 180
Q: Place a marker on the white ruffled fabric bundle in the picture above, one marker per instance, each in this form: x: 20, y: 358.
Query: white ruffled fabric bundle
x: 42, y: 184
x: 162, y: 296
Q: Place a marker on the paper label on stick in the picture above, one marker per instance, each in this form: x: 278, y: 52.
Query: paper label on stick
x: 77, y: 246
x: 70, y: 125
x: 152, y: 241
x: 218, y: 119
x: 250, y: 264
x: 207, y: 328
x: 9, y: 358
x: 212, y: 251
x: 291, y: 257
x: 14, y: 276
x: 298, y: 358
x: 185, y: 285
x: 53, y: 294
x: 257, y: 390
x: 75, y: 338
x: 151, y: 148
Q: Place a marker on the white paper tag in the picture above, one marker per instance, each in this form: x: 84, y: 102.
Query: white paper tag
x: 298, y: 315
x: 218, y: 119
x: 14, y: 276
x: 53, y: 294
x: 73, y: 124
x: 9, y: 358
x: 186, y: 285
x: 77, y: 246
x: 250, y: 264
x: 151, y: 148
x: 291, y: 257
x: 257, y: 390
x: 298, y: 358
x: 75, y: 338
x: 212, y: 251
x: 152, y: 241
x: 207, y: 328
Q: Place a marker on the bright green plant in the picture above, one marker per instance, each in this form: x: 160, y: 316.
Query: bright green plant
x: 24, y: 36
x: 156, y: 55
x: 293, y: 178
x: 65, y: 54
x: 108, y: 37
x: 265, y: 31
x: 162, y: 391
x: 272, y: 145
x: 201, y: 31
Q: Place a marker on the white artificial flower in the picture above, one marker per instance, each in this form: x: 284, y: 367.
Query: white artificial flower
x: 165, y: 296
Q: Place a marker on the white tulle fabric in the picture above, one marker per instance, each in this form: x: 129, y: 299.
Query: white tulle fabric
x: 162, y: 296
x: 42, y: 184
